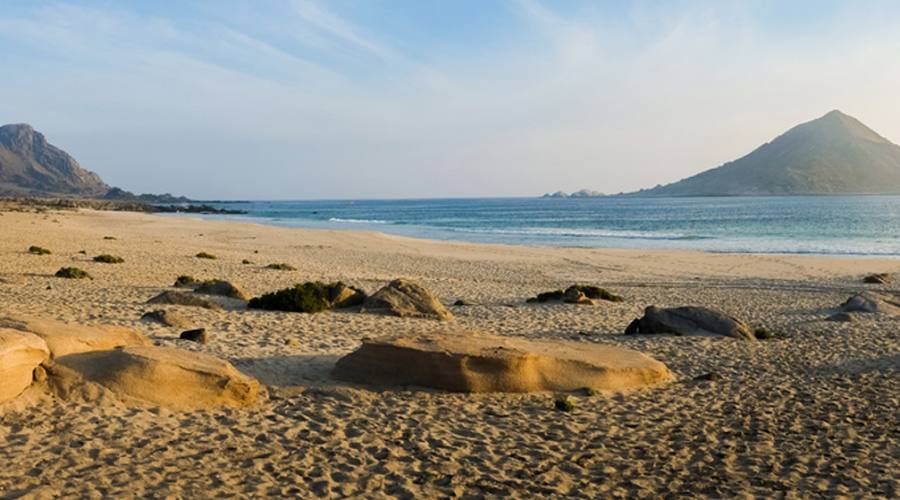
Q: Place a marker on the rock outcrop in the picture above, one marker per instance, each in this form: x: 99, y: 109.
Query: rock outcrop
x: 473, y: 362
x: 64, y: 338
x: 406, y: 299
x: 689, y: 320
x: 20, y: 354
x: 29, y: 165
x: 869, y: 302
x: 173, y: 378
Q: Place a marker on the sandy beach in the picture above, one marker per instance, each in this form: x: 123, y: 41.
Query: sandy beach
x: 810, y: 413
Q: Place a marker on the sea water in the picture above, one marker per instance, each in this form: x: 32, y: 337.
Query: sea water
x: 828, y: 225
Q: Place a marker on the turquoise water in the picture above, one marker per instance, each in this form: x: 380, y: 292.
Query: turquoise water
x: 851, y: 225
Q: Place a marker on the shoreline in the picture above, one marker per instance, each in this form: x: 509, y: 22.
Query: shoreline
x: 770, y: 422
x: 258, y: 221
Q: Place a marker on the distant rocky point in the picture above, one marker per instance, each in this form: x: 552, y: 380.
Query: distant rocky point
x: 584, y: 193
x: 34, y: 172
x: 30, y: 166
x: 834, y: 154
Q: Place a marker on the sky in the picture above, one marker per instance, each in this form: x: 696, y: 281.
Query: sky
x: 342, y: 99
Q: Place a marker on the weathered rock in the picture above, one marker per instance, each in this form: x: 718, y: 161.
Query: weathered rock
x: 473, y: 362
x: 869, y: 302
x: 577, y: 294
x: 689, y: 320
x: 183, y: 299
x: 20, y: 354
x: 166, y: 318
x: 342, y: 296
x: 406, y: 299
x: 222, y: 288
x: 878, y: 279
x: 195, y: 335
x: 66, y: 338
x: 173, y: 378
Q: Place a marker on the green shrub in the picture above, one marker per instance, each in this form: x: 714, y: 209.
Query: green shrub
x: 72, y: 273
x: 588, y: 391
x: 763, y: 333
x: 548, y: 296
x: 309, y: 297
x: 245, y: 261
x: 109, y: 237
x: 185, y: 281
x: 281, y: 267
x: 595, y: 292
x: 109, y: 259
x: 38, y: 250
x: 204, y: 255
x: 562, y: 403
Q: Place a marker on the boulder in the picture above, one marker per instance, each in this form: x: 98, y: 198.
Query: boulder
x: 689, y: 320
x: 173, y: 378
x: 66, y: 338
x: 20, y: 354
x: 195, y: 335
x: 221, y: 288
x: 406, y: 299
x: 166, y: 318
x: 868, y: 302
x: 183, y: 299
x: 878, y: 279
x: 474, y: 362
x: 342, y: 296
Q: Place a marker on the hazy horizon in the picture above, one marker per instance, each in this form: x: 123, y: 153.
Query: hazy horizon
x: 371, y: 100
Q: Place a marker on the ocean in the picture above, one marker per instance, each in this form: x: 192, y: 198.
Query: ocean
x: 826, y: 225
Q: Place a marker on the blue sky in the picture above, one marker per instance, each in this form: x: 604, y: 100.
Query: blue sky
x: 390, y: 98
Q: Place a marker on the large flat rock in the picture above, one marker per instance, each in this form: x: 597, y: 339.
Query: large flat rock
x: 168, y: 377
x: 20, y: 354
x: 65, y: 338
x: 474, y: 362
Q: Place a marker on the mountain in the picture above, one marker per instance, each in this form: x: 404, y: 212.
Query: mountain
x: 834, y: 154
x: 29, y: 165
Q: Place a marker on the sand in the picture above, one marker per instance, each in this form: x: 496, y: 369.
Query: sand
x: 810, y: 413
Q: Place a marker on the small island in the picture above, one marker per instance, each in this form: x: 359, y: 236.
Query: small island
x: 583, y: 193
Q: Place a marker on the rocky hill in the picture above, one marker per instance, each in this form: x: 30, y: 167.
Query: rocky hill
x: 834, y: 154
x: 29, y: 165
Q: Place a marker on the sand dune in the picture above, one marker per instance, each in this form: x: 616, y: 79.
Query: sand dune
x: 810, y: 413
